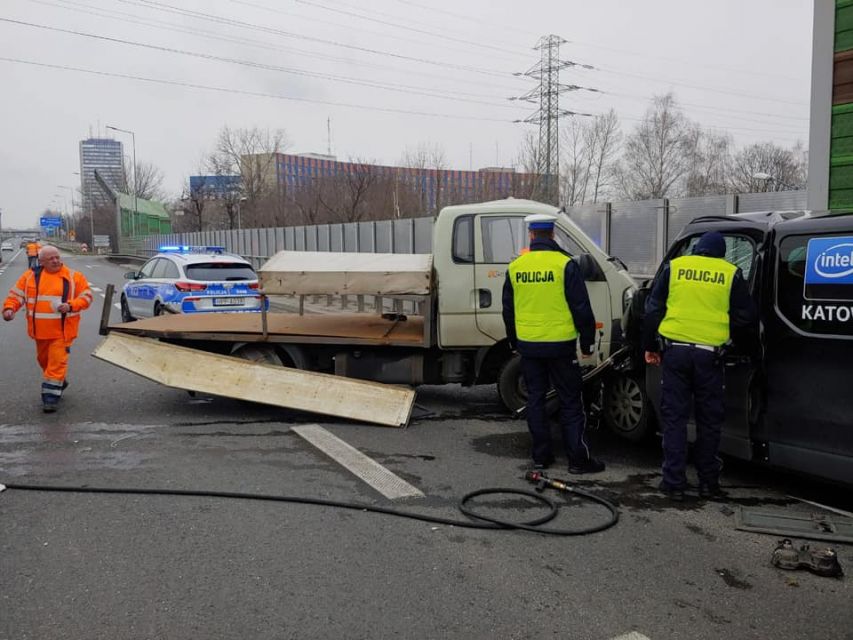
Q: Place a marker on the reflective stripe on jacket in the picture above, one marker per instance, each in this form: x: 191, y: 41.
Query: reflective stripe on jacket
x: 541, y: 311
x: 43, y: 320
x: 697, y: 306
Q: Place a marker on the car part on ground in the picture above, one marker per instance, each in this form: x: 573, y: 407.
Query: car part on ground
x: 821, y: 562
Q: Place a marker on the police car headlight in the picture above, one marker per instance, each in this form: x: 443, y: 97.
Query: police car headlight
x: 627, y: 296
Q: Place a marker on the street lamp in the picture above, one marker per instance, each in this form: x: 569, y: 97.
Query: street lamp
x: 135, y: 180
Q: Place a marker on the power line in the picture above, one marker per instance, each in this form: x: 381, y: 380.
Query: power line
x: 396, y: 25
x: 257, y: 94
x: 413, y: 90
x: 627, y: 52
x: 701, y: 87
x: 160, y: 6
x: 212, y: 35
x: 299, y: 16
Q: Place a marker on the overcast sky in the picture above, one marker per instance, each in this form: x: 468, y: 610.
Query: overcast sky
x: 736, y: 65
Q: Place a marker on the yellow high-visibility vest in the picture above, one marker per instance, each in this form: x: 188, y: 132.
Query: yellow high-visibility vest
x: 541, y: 311
x: 697, y: 308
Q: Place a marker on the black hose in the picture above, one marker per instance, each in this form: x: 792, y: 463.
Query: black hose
x: 478, y: 521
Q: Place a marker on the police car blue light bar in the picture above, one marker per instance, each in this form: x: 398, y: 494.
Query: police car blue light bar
x: 190, y: 249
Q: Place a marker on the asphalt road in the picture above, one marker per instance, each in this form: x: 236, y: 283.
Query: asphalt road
x: 116, y: 566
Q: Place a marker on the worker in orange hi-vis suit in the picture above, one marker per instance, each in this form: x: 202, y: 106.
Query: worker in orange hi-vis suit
x: 54, y: 296
x: 33, y: 249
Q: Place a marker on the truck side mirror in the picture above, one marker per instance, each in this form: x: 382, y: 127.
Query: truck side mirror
x: 590, y: 269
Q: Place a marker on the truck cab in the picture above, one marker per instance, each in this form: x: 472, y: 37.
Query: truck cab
x: 472, y: 246
x: 787, y: 387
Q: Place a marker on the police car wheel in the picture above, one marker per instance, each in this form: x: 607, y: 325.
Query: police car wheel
x: 125, y: 311
x: 158, y: 309
x: 511, y: 388
x: 626, y: 408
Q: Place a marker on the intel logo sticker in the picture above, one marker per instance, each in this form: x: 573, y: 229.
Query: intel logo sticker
x: 829, y: 269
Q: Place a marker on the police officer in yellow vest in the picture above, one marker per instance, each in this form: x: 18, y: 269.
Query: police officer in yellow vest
x: 694, y: 302
x: 546, y: 311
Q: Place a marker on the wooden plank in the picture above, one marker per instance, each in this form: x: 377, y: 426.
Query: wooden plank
x: 341, y: 273
x: 368, y: 328
x: 194, y: 370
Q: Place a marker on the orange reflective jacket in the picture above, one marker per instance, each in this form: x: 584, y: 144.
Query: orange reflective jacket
x: 33, y: 249
x: 43, y: 292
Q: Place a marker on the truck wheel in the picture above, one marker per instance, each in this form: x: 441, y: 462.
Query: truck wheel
x: 511, y: 388
x: 125, y: 311
x: 626, y: 408
x: 259, y: 353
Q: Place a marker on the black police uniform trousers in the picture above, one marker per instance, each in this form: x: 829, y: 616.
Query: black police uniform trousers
x: 564, y: 374
x: 691, y: 376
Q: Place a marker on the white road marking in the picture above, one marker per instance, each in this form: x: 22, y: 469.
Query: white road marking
x: 90, y: 266
x: 117, y: 305
x: 632, y: 635
x: 96, y: 289
x: 364, y: 468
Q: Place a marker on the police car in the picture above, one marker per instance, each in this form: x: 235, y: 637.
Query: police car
x: 184, y: 279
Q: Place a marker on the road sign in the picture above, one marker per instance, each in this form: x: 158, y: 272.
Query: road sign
x: 51, y: 222
x: 102, y: 241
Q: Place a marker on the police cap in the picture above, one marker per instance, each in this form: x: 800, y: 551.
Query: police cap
x: 540, y: 221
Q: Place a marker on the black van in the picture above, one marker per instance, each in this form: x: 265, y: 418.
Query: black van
x: 789, y: 387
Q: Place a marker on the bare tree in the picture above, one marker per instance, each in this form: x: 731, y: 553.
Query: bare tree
x: 144, y: 181
x: 575, y: 164
x: 602, y: 141
x: 710, y: 162
x: 251, y: 154
x: 787, y: 168
x: 528, y: 159
x: 655, y: 158
x: 194, y: 202
x: 346, y: 197
x: 428, y: 160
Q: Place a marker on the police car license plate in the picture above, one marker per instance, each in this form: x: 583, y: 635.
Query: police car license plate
x: 227, y: 302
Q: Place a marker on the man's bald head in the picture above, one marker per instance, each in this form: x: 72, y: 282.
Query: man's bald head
x: 49, y: 259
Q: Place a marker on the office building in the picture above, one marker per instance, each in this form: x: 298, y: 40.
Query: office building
x: 105, y: 155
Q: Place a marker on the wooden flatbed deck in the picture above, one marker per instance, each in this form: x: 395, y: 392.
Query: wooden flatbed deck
x: 343, y: 328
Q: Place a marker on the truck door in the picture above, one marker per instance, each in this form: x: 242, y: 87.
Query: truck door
x: 739, y: 369
x: 499, y: 239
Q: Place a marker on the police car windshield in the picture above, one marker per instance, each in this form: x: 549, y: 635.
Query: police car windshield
x: 220, y: 271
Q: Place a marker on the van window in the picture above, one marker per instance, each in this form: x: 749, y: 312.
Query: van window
x: 503, y: 238
x: 463, y: 240
x: 824, y: 305
x: 740, y: 251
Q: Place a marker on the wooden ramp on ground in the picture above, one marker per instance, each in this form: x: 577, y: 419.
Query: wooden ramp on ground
x: 193, y: 370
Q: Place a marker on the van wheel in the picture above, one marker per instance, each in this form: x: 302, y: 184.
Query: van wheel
x: 626, y: 408
x: 264, y: 354
x: 125, y: 311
